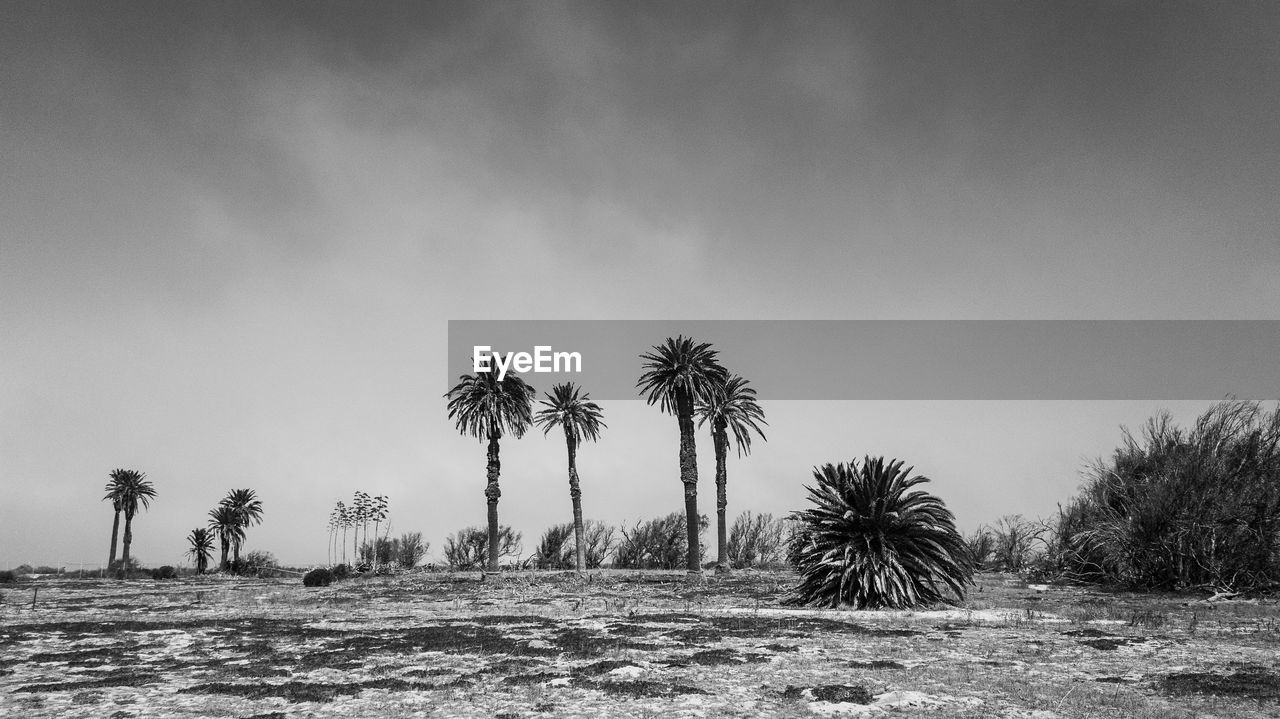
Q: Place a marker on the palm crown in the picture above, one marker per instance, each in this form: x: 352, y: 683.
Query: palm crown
x: 679, y: 367
x: 128, y: 490
x: 245, y: 504
x: 225, y: 522
x: 732, y: 405
x: 580, y: 418
x: 871, y: 543
x: 486, y: 407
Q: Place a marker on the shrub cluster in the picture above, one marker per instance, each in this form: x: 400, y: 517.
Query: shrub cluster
x: 404, y: 551
x: 8, y: 576
x: 319, y: 577
x: 165, y: 572
x: 1177, y: 508
x: 660, y: 543
x: 469, y: 548
x: 556, y: 549
x: 756, y: 541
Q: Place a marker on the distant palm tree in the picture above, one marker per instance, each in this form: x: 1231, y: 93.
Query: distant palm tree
x: 225, y: 522
x: 248, y: 511
x: 201, y: 541
x: 731, y: 405
x: 133, y: 491
x: 120, y: 478
x: 581, y: 419
x: 486, y: 407
x: 677, y: 374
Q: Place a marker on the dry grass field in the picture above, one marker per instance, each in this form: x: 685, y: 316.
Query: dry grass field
x: 620, y: 644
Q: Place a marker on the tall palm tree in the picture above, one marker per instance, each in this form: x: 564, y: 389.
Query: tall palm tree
x: 676, y: 375
x: 730, y: 406
x: 486, y: 407
x: 581, y: 419
x: 120, y: 478
x: 225, y: 522
x: 201, y: 541
x: 248, y: 511
x: 134, y: 491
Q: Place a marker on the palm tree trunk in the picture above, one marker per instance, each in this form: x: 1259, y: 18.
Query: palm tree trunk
x: 224, y: 565
x: 491, y: 495
x: 128, y: 540
x: 722, y: 496
x: 575, y: 495
x: 115, y: 532
x: 689, y: 477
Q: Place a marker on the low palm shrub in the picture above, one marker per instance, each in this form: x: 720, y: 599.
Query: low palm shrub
x: 871, y: 543
x: 318, y: 577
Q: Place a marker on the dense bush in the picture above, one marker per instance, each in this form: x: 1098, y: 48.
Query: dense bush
x: 254, y: 563
x: 556, y: 548
x: 660, y: 543
x: 756, y: 541
x: 404, y: 551
x: 1177, y: 508
x: 870, y: 543
x: 469, y: 548
x: 165, y: 572
x: 319, y: 577
x: 8, y: 576
x: 341, y: 571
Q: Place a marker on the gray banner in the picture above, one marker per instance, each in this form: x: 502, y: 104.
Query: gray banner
x: 901, y: 359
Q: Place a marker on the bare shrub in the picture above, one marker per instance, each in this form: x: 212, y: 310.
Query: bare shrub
x: 756, y: 541
x: 469, y: 548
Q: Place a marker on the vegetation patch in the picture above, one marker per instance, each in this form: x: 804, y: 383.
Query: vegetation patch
x: 122, y: 678
x: 876, y: 664
x: 296, y: 692
x: 1252, y: 682
x: 842, y: 693
x: 528, y: 679
x: 639, y: 689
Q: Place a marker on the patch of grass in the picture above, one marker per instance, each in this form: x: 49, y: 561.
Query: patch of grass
x: 1252, y: 682
x: 120, y: 678
x: 639, y: 689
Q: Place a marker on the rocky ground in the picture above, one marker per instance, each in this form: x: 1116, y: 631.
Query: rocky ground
x: 620, y: 644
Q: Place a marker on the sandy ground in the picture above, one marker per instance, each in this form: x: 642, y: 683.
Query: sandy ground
x: 622, y: 644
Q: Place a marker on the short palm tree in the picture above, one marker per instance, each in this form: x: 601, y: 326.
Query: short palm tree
x: 133, y: 491
x: 729, y: 406
x: 248, y: 510
x: 201, y: 541
x: 870, y: 543
x: 225, y: 523
x: 677, y: 374
x: 580, y: 418
x: 120, y: 479
x: 486, y: 407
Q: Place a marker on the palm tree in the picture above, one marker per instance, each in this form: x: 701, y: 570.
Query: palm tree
x: 870, y: 543
x: 133, y: 491
x: 581, y: 419
x: 201, y: 541
x: 248, y: 511
x: 676, y: 375
x: 120, y: 478
x: 225, y: 522
x: 486, y: 407
x: 730, y: 405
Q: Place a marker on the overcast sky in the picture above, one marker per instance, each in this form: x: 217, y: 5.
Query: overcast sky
x: 232, y: 234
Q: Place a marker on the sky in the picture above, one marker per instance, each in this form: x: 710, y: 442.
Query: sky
x: 232, y: 236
